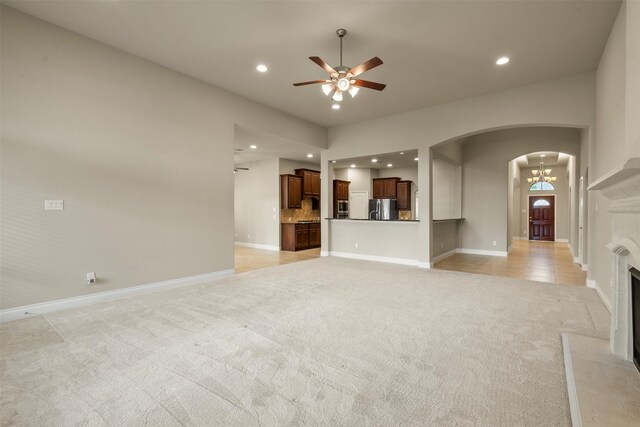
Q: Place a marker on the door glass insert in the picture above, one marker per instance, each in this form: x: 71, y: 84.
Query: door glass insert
x: 541, y: 202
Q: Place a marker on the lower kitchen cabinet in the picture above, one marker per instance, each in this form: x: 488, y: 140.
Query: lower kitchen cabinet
x: 300, y: 236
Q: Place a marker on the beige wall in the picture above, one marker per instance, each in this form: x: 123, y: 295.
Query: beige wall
x: 610, y: 146
x: 141, y: 155
x: 257, y: 203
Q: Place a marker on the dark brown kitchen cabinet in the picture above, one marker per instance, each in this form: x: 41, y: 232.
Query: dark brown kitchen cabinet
x: 341, y: 189
x: 310, y: 182
x: 314, y: 235
x: 403, y: 193
x: 385, y: 188
x: 300, y: 236
x: 290, y: 191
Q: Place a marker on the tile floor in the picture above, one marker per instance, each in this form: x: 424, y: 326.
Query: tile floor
x: 549, y: 262
x: 248, y: 259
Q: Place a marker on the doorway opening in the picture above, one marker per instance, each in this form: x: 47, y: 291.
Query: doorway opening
x: 542, y: 218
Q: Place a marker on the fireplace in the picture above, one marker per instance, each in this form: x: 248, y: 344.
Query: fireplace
x: 635, y: 314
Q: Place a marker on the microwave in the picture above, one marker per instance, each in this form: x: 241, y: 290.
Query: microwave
x: 343, y: 209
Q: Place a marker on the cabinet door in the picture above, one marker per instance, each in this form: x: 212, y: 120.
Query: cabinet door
x: 345, y: 190
x: 315, y: 184
x: 314, y: 235
x: 378, y: 188
x: 295, y: 192
x: 390, y: 188
x: 403, y: 196
x: 302, y: 237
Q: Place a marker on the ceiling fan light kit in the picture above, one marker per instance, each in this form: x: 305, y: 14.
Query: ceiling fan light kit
x: 343, y: 79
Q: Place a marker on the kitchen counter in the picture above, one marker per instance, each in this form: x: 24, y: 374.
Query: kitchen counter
x: 373, y: 220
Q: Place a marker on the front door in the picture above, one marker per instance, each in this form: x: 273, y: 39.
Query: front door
x: 542, y: 218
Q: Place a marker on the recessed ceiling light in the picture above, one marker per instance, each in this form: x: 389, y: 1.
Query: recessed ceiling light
x: 353, y: 166
x: 253, y: 147
x: 336, y: 106
x: 416, y: 159
x: 502, y: 61
x: 542, y: 155
x: 402, y: 152
x: 389, y: 165
x: 333, y: 161
x: 374, y: 160
x: 262, y: 68
x: 309, y: 155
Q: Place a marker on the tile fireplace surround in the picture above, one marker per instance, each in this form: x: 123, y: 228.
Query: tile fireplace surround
x: 622, y: 188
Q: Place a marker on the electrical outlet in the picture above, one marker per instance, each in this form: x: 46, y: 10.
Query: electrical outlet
x: 495, y: 243
x: 53, y: 205
x: 91, y: 278
x: 356, y: 246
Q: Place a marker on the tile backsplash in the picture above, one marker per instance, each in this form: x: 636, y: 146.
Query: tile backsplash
x: 306, y: 213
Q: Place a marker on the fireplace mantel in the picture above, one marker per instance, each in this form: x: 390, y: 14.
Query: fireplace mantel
x: 622, y: 187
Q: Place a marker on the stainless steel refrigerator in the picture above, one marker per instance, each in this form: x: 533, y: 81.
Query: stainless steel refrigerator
x: 383, y: 209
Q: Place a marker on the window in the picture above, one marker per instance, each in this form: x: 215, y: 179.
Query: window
x: 541, y: 202
x: 542, y: 186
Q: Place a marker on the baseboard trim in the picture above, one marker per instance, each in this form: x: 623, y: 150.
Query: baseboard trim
x: 520, y: 238
x: 15, y: 313
x: 258, y: 246
x: 594, y: 285
x: 562, y: 240
x: 444, y: 256
x: 509, y: 248
x: 324, y: 253
x: 424, y: 264
x: 576, y: 260
x: 585, y: 267
x: 576, y: 420
x: 482, y: 252
x: 389, y: 260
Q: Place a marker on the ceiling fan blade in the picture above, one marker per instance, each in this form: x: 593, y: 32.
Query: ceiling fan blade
x: 369, y: 85
x: 312, y: 82
x: 323, y: 64
x: 372, y: 63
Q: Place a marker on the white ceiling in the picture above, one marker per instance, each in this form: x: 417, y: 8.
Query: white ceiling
x: 433, y: 51
x: 269, y: 147
x: 400, y: 159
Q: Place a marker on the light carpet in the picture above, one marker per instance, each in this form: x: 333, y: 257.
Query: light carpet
x: 327, y: 341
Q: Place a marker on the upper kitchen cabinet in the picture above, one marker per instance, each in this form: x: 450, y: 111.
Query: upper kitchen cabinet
x: 290, y: 191
x: 403, y: 190
x: 341, y: 189
x: 385, y: 188
x: 310, y: 182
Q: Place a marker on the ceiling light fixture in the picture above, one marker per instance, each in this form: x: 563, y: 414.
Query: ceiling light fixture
x: 389, y: 165
x: 310, y: 155
x: 333, y: 161
x: 416, y: 159
x: 502, y: 61
x: 336, y: 106
x: 353, y: 166
x: 342, y: 78
x: 262, y: 68
x: 253, y: 147
x: 374, y: 160
x: 541, y: 174
x: 402, y: 152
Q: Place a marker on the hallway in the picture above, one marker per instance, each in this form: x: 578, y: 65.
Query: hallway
x: 549, y: 262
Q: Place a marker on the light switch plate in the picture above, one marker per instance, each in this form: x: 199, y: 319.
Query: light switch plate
x: 53, y: 205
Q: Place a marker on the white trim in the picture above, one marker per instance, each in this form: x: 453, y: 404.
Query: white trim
x: 509, y: 248
x: 258, y: 246
x: 520, y: 238
x: 594, y: 285
x: 444, y: 255
x: 324, y: 253
x: 585, y: 267
x: 403, y: 261
x: 84, y: 300
x: 481, y: 252
x: 555, y: 216
x: 576, y: 260
x: 563, y: 241
x: 424, y: 264
x: 576, y: 421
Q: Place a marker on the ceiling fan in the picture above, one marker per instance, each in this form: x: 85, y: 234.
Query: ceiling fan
x: 342, y: 78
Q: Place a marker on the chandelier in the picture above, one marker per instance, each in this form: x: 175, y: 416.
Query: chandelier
x: 541, y: 174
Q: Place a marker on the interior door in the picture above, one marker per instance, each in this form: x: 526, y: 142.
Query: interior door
x: 542, y: 218
x: 358, y: 204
